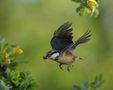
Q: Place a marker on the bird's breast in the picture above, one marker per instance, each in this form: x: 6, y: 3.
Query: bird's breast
x: 66, y: 58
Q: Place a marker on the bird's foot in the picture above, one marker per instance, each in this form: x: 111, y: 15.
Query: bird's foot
x: 68, y: 68
x: 60, y: 66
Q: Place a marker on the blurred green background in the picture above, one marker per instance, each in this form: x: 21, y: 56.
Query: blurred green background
x: 31, y: 23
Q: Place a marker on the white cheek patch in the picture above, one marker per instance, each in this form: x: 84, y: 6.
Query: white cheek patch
x: 55, y: 55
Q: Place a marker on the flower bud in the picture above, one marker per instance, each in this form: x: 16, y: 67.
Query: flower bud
x: 17, y: 51
x: 92, y: 3
x: 5, y: 55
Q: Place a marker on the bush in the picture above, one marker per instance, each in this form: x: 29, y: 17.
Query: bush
x: 10, y: 77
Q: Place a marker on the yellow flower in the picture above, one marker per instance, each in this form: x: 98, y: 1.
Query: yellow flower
x: 5, y: 55
x: 92, y: 3
x: 17, y: 51
x: 9, y: 61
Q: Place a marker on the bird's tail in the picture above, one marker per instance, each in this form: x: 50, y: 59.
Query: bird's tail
x: 83, y: 39
x: 77, y: 58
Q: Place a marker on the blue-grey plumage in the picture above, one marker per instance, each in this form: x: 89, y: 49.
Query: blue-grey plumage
x: 63, y: 45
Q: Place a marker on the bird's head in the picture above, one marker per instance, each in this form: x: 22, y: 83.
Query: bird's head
x: 51, y: 55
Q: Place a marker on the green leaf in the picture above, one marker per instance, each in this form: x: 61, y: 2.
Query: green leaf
x: 87, y: 85
x: 3, y: 85
x: 21, y: 80
x: 84, y: 85
x: 85, y: 9
x: 78, y: 9
x: 82, y: 11
x: 96, y: 13
x: 75, y: 87
x: 98, y: 81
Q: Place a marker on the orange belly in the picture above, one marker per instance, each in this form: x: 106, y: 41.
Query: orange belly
x: 66, y: 58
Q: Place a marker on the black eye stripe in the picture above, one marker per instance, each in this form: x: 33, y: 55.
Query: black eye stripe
x: 49, y: 53
x: 52, y: 53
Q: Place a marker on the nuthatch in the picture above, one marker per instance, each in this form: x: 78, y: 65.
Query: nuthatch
x: 62, y: 45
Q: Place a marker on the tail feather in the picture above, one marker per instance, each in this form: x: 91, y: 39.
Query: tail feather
x: 83, y: 39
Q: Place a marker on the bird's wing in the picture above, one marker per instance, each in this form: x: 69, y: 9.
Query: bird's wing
x: 62, y: 37
x: 83, y: 39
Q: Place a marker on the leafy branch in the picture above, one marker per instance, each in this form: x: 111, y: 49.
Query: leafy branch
x: 10, y: 78
x: 93, y: 85
x: 88, y: 7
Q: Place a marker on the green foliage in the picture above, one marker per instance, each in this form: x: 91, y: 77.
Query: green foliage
x: 93, y: 85
x: 20, y: 80
x: 3, y: 85
x: 98, y: 81
x: 10, y: 78
x: 9, y: 53
x: 88, y: 7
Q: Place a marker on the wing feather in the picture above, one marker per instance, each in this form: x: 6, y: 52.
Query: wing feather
x: 62, y: 37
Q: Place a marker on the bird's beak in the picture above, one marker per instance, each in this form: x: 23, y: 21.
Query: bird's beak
x: 45, y: 57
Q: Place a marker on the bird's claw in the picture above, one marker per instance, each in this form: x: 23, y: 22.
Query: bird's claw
x: 60, y: 66
x: 68, y: 68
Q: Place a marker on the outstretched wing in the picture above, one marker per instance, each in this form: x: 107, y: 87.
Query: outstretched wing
x: 62, y: 37
x: 83, y: 39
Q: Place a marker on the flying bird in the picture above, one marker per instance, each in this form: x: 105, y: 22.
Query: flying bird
x: 63, y: 45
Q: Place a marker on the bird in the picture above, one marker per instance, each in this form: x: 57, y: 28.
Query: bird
x: 63, y: 45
